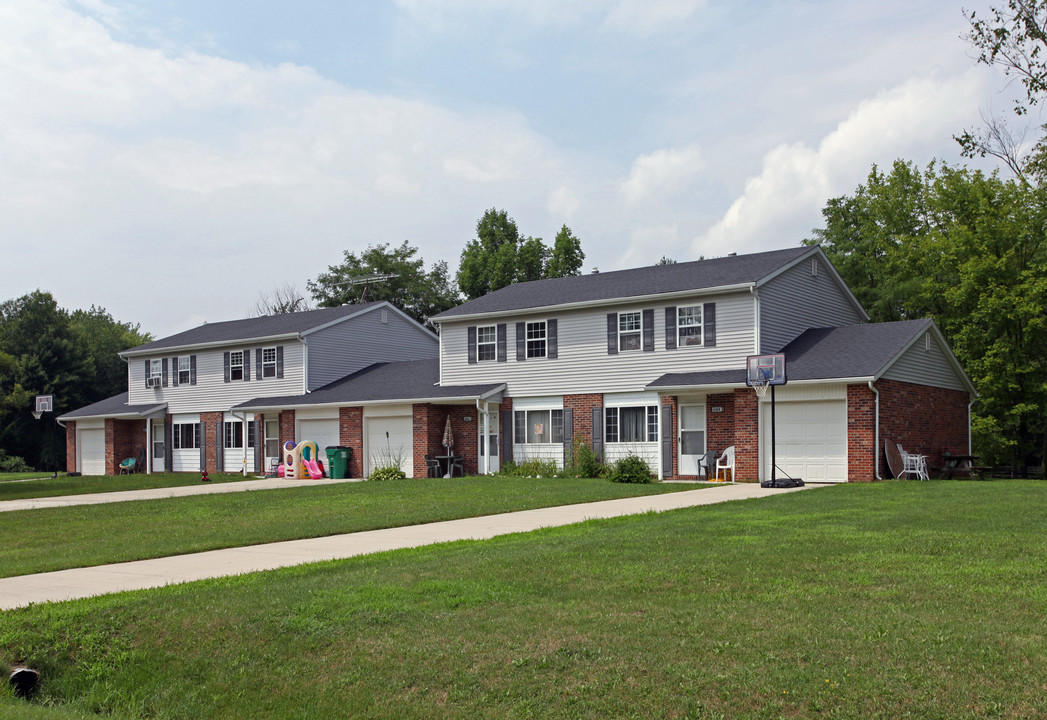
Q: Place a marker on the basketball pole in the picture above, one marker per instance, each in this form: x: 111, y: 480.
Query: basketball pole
x: 774, y: 459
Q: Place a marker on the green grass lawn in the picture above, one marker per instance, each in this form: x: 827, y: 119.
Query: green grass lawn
x: 47, y: 486
x: 31, y: 475
x: 886, y: 600
x: 136, y: 530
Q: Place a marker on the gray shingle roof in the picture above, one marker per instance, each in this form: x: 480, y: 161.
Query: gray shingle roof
x: 113, y: 407
x: 252, y: 328
x: 849, y: 351
x: 637, y: 282
x: 406, y: 380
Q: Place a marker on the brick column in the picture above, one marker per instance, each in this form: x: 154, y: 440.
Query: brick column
x: 351, y: 435
x: 861, y: 434
x: 746, y: 436
x: 582, y: 407
x: 209, y: 424
x: 70, y: 447
x: 673, y: 402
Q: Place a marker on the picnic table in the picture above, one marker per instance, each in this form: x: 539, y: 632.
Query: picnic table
x: 963, y: 464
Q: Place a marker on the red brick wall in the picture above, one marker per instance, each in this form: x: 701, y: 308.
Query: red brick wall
x: 746, y: 436
x: 923, y: 419
x: 128, y: 439
x: 861, y: 434
x: 719, y: 427
x: 429, y: 423
x: 209, y: 424
x: 673, y: 402
x: 110, y: 447
x: 351, y: 434
x: 70, y: 447
x: 582, y: 407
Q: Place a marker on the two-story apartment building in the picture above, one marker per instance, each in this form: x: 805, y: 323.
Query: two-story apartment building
x: 182, y: 389
x: 649, y: 361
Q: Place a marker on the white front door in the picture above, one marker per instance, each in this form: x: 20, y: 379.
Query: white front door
x: 158, y: 446
x: 490, y: 449
x: 692, y: 439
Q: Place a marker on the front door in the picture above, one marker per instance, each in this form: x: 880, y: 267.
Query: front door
x: 692, y: 438
x: 158, y: 446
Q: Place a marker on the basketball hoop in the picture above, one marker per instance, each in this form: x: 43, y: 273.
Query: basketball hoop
x: 761, y: 388
x: 37, y: 415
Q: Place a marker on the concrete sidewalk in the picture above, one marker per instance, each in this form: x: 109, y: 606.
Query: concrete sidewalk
x: 141, y: 574
x: 164, y: 492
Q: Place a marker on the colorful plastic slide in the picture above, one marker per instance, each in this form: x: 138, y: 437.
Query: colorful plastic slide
x: 301, y: 459
x: 313, y: 468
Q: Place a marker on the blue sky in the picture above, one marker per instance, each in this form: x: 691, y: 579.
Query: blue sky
x: 170, y: 160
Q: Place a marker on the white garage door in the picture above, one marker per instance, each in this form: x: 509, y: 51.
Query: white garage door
x: 811, y: 440
x: 390, y: 439
x: 91, y: 446
x: 322, y: 432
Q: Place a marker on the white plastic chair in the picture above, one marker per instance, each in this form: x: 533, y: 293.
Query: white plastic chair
x: 914, y: 464
x: 725, y: 463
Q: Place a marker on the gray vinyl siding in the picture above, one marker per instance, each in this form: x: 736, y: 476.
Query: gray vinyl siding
x: 211, y: 392
x: 352, y: 345
x: 925, y: 366
x: 583, y: 365
x: 796, y: 300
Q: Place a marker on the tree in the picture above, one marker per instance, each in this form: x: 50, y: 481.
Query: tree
x: 280, y: 300
x: 104, y: 338
x: 419, y: 293
x: 1012, y: 37
x: 970, y: 251
x: 566, y: 257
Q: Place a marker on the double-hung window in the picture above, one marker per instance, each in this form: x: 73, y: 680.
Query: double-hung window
x: 536, y: 339
x: 538, y: 426
x: 185, y: 435
x: 487, y: 343
x: 631, y: 424
x: 156, y: 370
x: 184, y: 367
x: 689, y: 325
x: 234, y: 434
x: 630, y: 327
x: 269, y: 362
x: 236, y: 365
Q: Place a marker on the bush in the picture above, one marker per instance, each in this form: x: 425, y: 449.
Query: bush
x: 587, y: 463
x: 389, y: 472
x: 12, y: 463
x: 387, y: 465
x: 530, y: 468
x: 632, y: 469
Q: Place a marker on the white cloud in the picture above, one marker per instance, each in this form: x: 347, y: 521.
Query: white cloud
x: 646, y: 17
x: 779, y: 206
x: 661, y: 173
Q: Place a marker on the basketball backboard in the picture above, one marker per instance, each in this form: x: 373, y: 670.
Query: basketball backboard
x: 765, y: 370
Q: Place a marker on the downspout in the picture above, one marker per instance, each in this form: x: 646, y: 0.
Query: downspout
x: 970, y: 445
x: 484, y: 430
x: 243, y: 419
x: 876, y: 436
x: 756, y: 318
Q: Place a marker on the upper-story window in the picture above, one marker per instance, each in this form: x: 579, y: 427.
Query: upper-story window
x: 689, y: 325
x: 487, y: 343
x: 156, y: 370
x: 236, y: 365
x: 269, y: 362
x: 536, y: 337
x: 630, y: 327
x: 184, y: 370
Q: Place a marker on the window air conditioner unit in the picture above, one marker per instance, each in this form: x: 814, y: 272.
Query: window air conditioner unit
x: 153, y: 382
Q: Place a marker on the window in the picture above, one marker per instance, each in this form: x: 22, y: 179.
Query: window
x: 234, y: 434
x: 630, y: 326
x: 689, y: 325
x: 156, y: 369
x: 538, y: 426
x: 486, y: 343
x: 184, y: 375
x: 236, y: 365
x: 185, y: 435
x: 269, y: 362
x: 536, y: 339
x: 631, y: 424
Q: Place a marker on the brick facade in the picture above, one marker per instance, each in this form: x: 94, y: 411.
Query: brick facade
x: 430, y: 422
x: 351, y: 435
x: 861, y: 433
x: 925, y: 420
x: 746, y: 435
x: 70, y: 447
x: 582, y: 409
x: 210, y: 426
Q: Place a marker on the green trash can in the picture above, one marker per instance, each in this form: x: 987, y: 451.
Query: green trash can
x: 338, y: 461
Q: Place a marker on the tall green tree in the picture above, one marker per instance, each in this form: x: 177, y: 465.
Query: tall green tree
x: 566, y: 257
x: 418, y: 292
x: 103, y: 338
x: 970, y: 251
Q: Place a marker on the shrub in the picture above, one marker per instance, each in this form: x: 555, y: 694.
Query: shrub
x: 586, y: 462
x: 12, y: 463
x: 389, y: 472
x: 632, y: 469
x: 387, y: 465
x: 530, y: 468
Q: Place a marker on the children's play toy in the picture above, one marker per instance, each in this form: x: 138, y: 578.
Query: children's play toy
x: 301, y: 460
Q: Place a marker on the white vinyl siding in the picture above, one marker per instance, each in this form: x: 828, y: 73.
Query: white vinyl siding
x: 186, y: 459
x: 923, y: 365
x: 797, y: 299
x: 638, y: 406
x: 211, y: 392
x: 528, y: 443
x: 233, y: 444
x: 346, y: 347
x: 583, y: 365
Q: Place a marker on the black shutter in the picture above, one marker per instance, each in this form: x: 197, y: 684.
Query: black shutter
x: 279, y: 361
x: 568, y: 437
x: 168, y: 447
x: 163, y: 371
x: 258, y: 364
x: 521, y: 341
x: 550, y: 339
x: 667, y: 440
x: 670, y: 328
x: 507, y: 436
x: 225, y: 359
x: 201, y: 441
x: 174, y: 371
x: 192, y: 369
x: 470, y: 334
x: 648, y: 330
x: 219, y: 450
x: 258, y: 447
x: 612, y: 333
x: 501, y: 342
x: 709, y: 322
x: 598, y: 432
x: 247, y: 365
x: 147, y: 367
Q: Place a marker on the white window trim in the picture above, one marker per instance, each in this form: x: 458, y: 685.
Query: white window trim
x: 156, y: 369
x: 492, y: 343
x: 269, y: 364
x: 188, y: 369
x: 638, y: 332
x: 544, y: 339
x: 680, y: 326
x: 527, y: 411
x: 647, y: 423
x: 233, y: 365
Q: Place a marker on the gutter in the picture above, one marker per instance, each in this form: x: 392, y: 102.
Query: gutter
x: 876, y: 440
